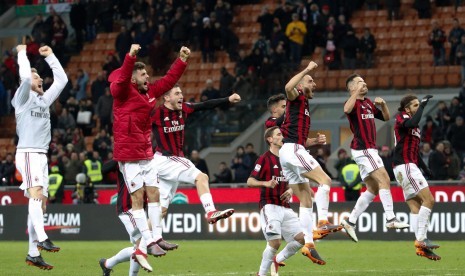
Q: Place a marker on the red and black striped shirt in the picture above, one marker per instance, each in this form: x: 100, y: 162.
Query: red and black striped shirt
x: 296, y: 121
x: 168, y: 128
x: 362, y: 123
x: 407, y: 141
x: 266, y: 168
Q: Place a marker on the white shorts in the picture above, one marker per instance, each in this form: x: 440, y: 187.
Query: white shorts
x: 138, y: 174
x: 278, y: 221
x: 295, y: 161
x: 34, y: 171
x: 171, y: 171
x: 411, y: 179
x: 368, y: 160
x: 130, y: 224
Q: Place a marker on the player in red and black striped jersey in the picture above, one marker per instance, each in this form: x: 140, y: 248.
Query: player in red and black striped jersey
x: 361, y: 113
x: 276, y: 105
x: 168, y: 125
x: 277, y: 218
x: 298, y: 165
x: 407, y: 164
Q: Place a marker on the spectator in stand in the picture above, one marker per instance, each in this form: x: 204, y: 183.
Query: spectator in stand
x: 331, y: 56
x: 316, y: 31
x: 423, y: 7
x: 452, y: 161
x: 104, y: 110
x: 431, y: 133
x: 460, y: 54
x: 266, y: 22
x: 350, y: 46
x: 161, y: 51
x: 92, y: 168
x: 38, y: 29
x: 437, y: 162
x: 65, y: 121
x: 102, y: 143
x: 454, y: 39
x: 223, y: 12
x: 240, y: 169
x: 81, y: 83
x: 262, y: 44
x: 209, y: 93
x: 85, y: 119
x: 367, y: 47
x: 250, y: 156
x: 296, y: 31
x: 393, y: 7
x: 123, y: 42
x: 283, y: 13
x: 425, y: 152
x: 224, y: 174
x: 199, y: 162
x: 277, y: 37
x: 111, y: 63
x: 386, y: 155
x: 32, y: 50
x: 98, y: 86
x: 456, y: 135
x: 77, y: 139
x: 92, y: 19
x: 437, y: 39
x: 72, y: 167
x: 226, y: 83
x: 179, y: 28
x: 72, y: 106
x: 7, y: 170
x: 321, y: 157
x: 279, y: 59
x: 443, y: 117
x: 206, y: 41
x: 455, y: 109
x: 77, y: 17
x: 462, y: 94
x: 342, y: 160
x: 341, y: 29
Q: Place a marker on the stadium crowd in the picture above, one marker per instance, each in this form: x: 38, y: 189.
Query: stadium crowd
x: 293, y: 29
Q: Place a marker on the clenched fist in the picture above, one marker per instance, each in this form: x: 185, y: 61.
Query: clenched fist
x: 20, y: 47
x: 184, y: 53
x: 135, y: 48
x: 45, y: 51
x: 379, y: 101
x: 312, y: 65
x: 234, y: 98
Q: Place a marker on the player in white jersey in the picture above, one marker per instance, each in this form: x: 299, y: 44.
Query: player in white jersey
x: 32, y: 112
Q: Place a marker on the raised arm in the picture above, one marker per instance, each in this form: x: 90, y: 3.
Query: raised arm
x: 415, y: 120
x: 291, y: 92
x: 59, y: 76
x: 349, y: 105
x: 119, y: 85
x: 22, y: 94
x: 161, y: 86
x: 210, y: 104
x: 384, y: 108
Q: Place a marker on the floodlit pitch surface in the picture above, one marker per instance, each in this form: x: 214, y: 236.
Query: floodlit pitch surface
x: 243, y: 258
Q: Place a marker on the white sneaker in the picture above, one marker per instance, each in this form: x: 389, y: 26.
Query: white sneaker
x: 350, y: 230
x: 141, y: 259
x: 396, y: 224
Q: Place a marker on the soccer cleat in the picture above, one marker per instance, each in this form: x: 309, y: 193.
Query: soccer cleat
x: 106, y: 271
x: 324, y: 227
x: 141, y: 259
x: 166, y: 245
x: 39, y: 262
x: 350, y: 229
x: 48, y: 246
x: 423, y: 252
x: 214, y: 216
x: 318, y: 236
x: 275, y: 267
x: 426, y: 244
x: 155, y: 250
x: 309, y: 251
x: 396, y: 224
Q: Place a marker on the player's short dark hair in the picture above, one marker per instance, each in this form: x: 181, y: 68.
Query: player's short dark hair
x: 350, y: 79
x: 138, y: 66
x: 269, y: 133
x: 274, y: 100
x: 405, y: 102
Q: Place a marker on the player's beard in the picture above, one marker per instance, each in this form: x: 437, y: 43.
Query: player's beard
x: 308, y: 93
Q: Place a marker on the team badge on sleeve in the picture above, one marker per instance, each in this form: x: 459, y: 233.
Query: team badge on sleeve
x: 406, y: 116
x: 257, y: 167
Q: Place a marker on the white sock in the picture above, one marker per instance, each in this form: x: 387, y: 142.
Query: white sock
x: 267, y: 259
x: 322, y: 202
x: 306, y: 221
x: 141, y: 222
x: 123, y: 256
x: 154, y: 211
x: 143, y: 245
x: 207, y: 202
x: 33, y: 251
x: 414, y: 224
x: 386, y: 198
x: 362, y: 204
x: 37, y: 218
x: 423, y: 218
x: 133, y: 267
x: 288, y: 251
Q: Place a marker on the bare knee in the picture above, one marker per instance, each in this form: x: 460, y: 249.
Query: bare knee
x: 275, y: 244
x: 300, y: 238
x: 429, y: 201
x: 137, y: 199
x: 153, y: 194
x: 164, y: 212
x: 36, y: 192
x: 201, y: 179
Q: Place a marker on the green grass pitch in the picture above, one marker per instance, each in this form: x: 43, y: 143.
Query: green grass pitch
x: 243, y: 258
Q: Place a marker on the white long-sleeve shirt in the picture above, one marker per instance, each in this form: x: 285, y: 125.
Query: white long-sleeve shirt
x: 31, y: 109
